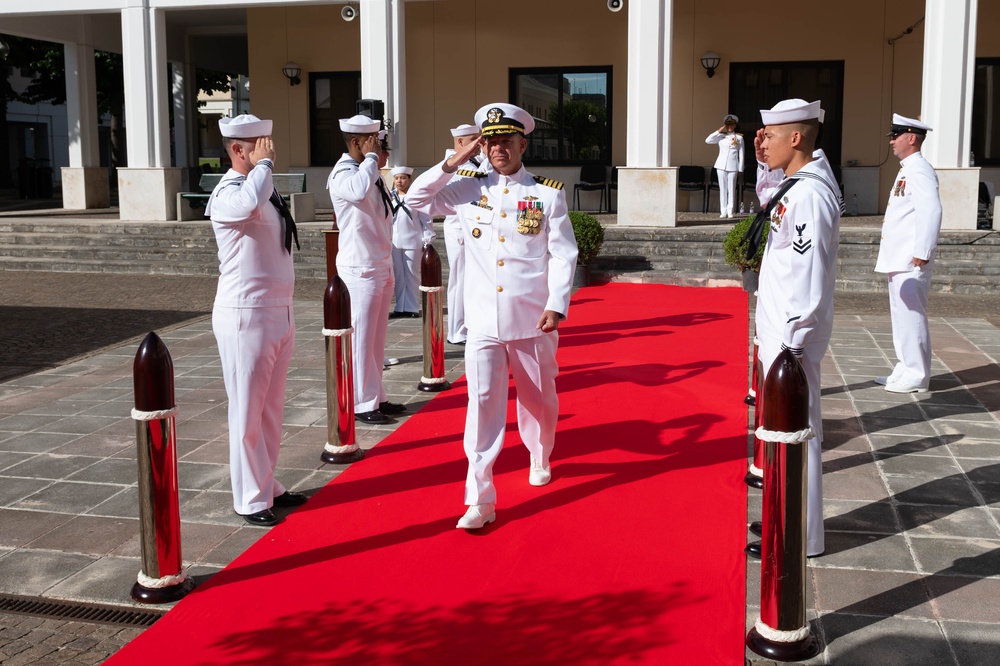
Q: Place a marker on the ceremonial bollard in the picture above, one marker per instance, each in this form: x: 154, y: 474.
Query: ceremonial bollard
x: 755, y: 474
x: 751, y: 398
x: 340, y: 446
x: 781, y: 631
x: 162, y: 578
x: 431, y: 293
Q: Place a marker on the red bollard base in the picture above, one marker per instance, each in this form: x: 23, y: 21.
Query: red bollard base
x: 161, y: 595
x: 341, y: 458
x: 750, y: 400
x: 433, y: 388
x: 754, y: 481
x: 807, y: 648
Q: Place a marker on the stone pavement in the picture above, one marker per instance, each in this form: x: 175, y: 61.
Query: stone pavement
x: 912, y: 482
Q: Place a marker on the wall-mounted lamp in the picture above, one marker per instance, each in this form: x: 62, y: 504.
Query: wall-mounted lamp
x: 710, y: 61
x: 291, y: 72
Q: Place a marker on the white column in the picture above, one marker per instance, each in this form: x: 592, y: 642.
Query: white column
x: 147, y: 188
x: 946, y: 105
x: 397, y: 113
x: 647, y: 184
x: 378, y: 59
x: 84, y: 181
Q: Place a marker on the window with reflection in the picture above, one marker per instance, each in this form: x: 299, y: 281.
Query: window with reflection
x: 985, y: 107
x: 572, y: 111
x: 332, y: 96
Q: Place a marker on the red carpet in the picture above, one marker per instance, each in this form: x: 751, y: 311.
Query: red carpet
x: 632, y: 555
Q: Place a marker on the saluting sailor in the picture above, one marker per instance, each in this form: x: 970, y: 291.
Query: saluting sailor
x: 411, y: 231
x: 909, y: 238
x: 729, y: 163
x: 797, y: 274
x: 520, y: 254
x: 454, y: 244
x: 363, y: 208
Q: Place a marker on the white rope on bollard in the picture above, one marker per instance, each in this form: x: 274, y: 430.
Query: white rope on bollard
x: 433, y: 380
x: 337, y: 332
x: 336, y: 450
x: 160, y: 583
x: 756, y: 340
x: 756, y: 471
x: 752, y: 392
x: 431, y: 290
x: 798, y: 437
x: 154, y: 415
x: 780, y: 636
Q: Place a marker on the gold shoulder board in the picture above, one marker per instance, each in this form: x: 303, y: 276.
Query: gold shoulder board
x: 469, y: 173
x: 555, y: 184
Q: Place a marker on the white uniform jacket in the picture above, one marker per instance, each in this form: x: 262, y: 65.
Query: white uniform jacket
x: 255, y: 269
x: 519, y: 246
x: 730, y: 150
x: 363, y: 217
x: 411, y: 229
x: 797, y: 275
x: 912, y: 217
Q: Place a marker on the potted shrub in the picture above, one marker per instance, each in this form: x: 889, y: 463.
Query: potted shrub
x: 736, y: 252
x: 589, y: 238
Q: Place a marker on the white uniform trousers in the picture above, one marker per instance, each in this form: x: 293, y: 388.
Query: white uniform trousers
x: 371, y: 297
x: 488, y: 365
x: 406, y: 271
x: 255, y: 347
x: 812, y: 360
x: 911, y: 336
x: 727, y: 191
x: 455, y: 247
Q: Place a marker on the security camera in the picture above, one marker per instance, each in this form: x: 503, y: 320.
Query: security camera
x: 615, y: 5
x: 349, y: 13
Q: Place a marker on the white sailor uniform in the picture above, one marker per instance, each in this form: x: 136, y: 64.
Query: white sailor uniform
x: 361, y: 203
x: 411, y: 231
x: 254, y: 327
x: 910, y: 229
x: 728, y: 165
x: 520, y: 253
x: 795, y: 297
x: 455, y: 247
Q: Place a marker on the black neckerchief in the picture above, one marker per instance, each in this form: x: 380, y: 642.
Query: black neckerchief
x: 753, y: 235
x: 286, y: 215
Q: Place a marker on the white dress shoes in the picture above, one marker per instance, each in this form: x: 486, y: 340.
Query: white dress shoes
x: 901, y: 387
x: 539, y: 476
x: 478, y: 515
x: 882, y: 380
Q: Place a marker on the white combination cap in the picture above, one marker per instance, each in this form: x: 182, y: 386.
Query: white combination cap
x: 465, y: 129
x: 406, y: 171
x: 498, y: 119
x: 902, y: 125
x: 244, y: 126
x: 359, y: 125
x: 792, y: 111
x: 730, y: 118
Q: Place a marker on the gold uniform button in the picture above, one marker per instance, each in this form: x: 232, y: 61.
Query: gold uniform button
x: 503, y: 214
x: 499, y: 288
x: 505, y: 190
x: 501, y: 239
x: 500, y: 263
x: 477, y: 217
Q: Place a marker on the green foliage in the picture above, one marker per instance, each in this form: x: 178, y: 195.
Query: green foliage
x: 736, y: 250
x: 589, y: 236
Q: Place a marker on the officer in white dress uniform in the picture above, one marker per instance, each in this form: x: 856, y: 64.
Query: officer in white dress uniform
x: 795, y: 293
x: 454, y: 244
x: 411, y: 231
x: 729, y: 164
x: 252, y: 319
x: 520, y: 253
x: 909, y: 238
x: 363, y: 208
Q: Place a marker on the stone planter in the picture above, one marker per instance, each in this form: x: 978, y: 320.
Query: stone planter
x: 581, y: 276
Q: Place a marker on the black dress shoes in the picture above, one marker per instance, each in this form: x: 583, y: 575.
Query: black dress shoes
x: 391, y: 408
x: 460, y: 343
x: 287, y: 499
x: 374, y: 417
x: 756, y: 528
x: 404, y: 315
x: 265, y: 518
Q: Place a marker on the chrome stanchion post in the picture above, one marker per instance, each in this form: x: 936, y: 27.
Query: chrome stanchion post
x: 431, y: 296
x: 755, y: 474
x: 781, y: 631
x: 340, y: 447
x: 162, y: 578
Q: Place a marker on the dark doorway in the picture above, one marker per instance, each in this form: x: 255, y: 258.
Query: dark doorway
x: 332, y: 96
x: 760, y: 85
